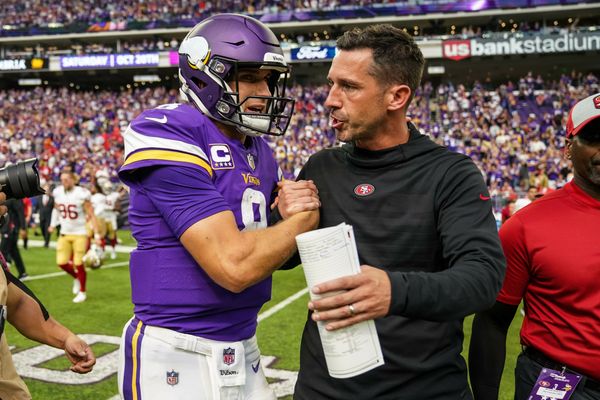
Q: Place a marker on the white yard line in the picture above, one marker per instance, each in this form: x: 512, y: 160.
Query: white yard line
x: 61, y: 273
x: 280, y: 306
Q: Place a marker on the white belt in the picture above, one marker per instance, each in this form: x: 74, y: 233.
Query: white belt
x: 180, y: 340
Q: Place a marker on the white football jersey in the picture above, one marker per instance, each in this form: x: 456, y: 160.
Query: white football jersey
x: 99, y: 204
x: 71, y: 215
x: 110, y: 214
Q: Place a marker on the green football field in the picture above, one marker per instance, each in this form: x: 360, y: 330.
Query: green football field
x: 100, y: 320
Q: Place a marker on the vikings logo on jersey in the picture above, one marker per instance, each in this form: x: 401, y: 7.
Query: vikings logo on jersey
x: 251, y: 161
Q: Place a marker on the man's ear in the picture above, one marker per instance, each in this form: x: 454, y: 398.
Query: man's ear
x: 568, y: 146
x: 399, y: 96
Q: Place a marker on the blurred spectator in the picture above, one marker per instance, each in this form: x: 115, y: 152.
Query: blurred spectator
x: 45, y: 205
x: 527, y: 199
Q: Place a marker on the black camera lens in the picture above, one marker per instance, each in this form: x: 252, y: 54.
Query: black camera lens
x: 21, y: 180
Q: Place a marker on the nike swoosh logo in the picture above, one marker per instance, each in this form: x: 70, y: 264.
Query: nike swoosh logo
x: 159, y: 120
x: 484, y: 198
x: 255, y: 369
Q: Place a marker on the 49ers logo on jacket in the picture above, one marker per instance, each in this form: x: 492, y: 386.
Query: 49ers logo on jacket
x: 364, y: 189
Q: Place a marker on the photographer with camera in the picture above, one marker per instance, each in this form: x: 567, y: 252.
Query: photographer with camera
x: 17, y: 181
x: 20, y: 307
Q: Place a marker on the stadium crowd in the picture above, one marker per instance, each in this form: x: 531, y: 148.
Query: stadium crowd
x: 513, y: 132
x: 41, y: 13
x: 18, y: 18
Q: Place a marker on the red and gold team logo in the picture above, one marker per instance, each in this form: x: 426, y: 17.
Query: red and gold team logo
x: 364, y: 189
x: 597, y: 101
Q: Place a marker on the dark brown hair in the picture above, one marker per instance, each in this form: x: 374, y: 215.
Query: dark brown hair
x: 396, y: 56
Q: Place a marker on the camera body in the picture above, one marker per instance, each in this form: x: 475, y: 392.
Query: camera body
x: 20, y: 180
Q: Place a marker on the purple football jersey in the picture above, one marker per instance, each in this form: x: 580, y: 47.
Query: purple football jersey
x: 181, y: 169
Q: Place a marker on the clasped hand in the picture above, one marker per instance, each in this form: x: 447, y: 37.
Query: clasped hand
x: 296, y: 196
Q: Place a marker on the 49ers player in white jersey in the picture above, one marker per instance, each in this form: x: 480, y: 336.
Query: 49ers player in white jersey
x: 72, y: 205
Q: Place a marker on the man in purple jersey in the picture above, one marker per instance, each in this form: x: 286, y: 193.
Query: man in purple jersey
x: 202, y: 183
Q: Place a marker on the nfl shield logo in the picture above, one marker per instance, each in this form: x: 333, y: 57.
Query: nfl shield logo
x: 251, y: 162
x: 228, y: 356
x: 172, y: 378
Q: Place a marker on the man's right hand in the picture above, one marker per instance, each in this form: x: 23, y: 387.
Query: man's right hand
x: 296, y: 196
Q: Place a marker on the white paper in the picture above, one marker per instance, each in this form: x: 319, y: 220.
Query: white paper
x: 327, y: 254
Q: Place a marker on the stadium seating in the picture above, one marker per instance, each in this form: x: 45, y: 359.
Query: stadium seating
x: 500, y: 128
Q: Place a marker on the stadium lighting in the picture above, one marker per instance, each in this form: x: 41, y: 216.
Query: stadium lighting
x: 30, y: 82
x: 478, y: 5
x: 436, y: 70
x: 146, y: 78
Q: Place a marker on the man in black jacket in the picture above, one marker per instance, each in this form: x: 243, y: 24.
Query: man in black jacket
x: 423, y: 223
x: 45, y: 205
x: 11, y: 229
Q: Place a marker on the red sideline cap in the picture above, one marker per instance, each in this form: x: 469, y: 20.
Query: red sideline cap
x: 582, y: 113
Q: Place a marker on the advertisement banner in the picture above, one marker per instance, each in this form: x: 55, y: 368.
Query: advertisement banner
x: 126, y: 60
x: 309, y: 53
x: 541, y: 44
x: 23, y: 64
x: 174, y: 58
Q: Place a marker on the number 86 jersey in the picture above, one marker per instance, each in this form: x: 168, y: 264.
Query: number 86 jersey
x: 69, y: 204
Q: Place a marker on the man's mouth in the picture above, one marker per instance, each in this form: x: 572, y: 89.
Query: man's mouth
x: 336, y: 123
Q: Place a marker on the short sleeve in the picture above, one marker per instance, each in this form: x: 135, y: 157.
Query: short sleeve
x: 517, y: 261
x: 182, y: 195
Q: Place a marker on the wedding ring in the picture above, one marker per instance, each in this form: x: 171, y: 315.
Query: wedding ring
x: 351, y: 309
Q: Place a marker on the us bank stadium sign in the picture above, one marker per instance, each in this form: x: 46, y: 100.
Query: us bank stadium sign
x: 109, y: 61
x: 540, y: 44
x: 23, y: 64
x: 312, y: 53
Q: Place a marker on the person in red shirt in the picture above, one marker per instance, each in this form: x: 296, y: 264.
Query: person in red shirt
x: 553, y: 264
x: 508, y: 210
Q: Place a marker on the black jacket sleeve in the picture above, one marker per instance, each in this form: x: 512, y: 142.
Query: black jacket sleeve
x: 470, y: 247
x: 487, y: 351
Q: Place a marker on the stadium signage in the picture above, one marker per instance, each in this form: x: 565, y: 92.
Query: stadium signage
x: 21, y: 64
x: 542, y: 44
x: 110, y: 61
x: 313, y: 53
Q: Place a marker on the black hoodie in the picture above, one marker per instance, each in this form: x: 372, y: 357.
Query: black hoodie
x: 422, y: 213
